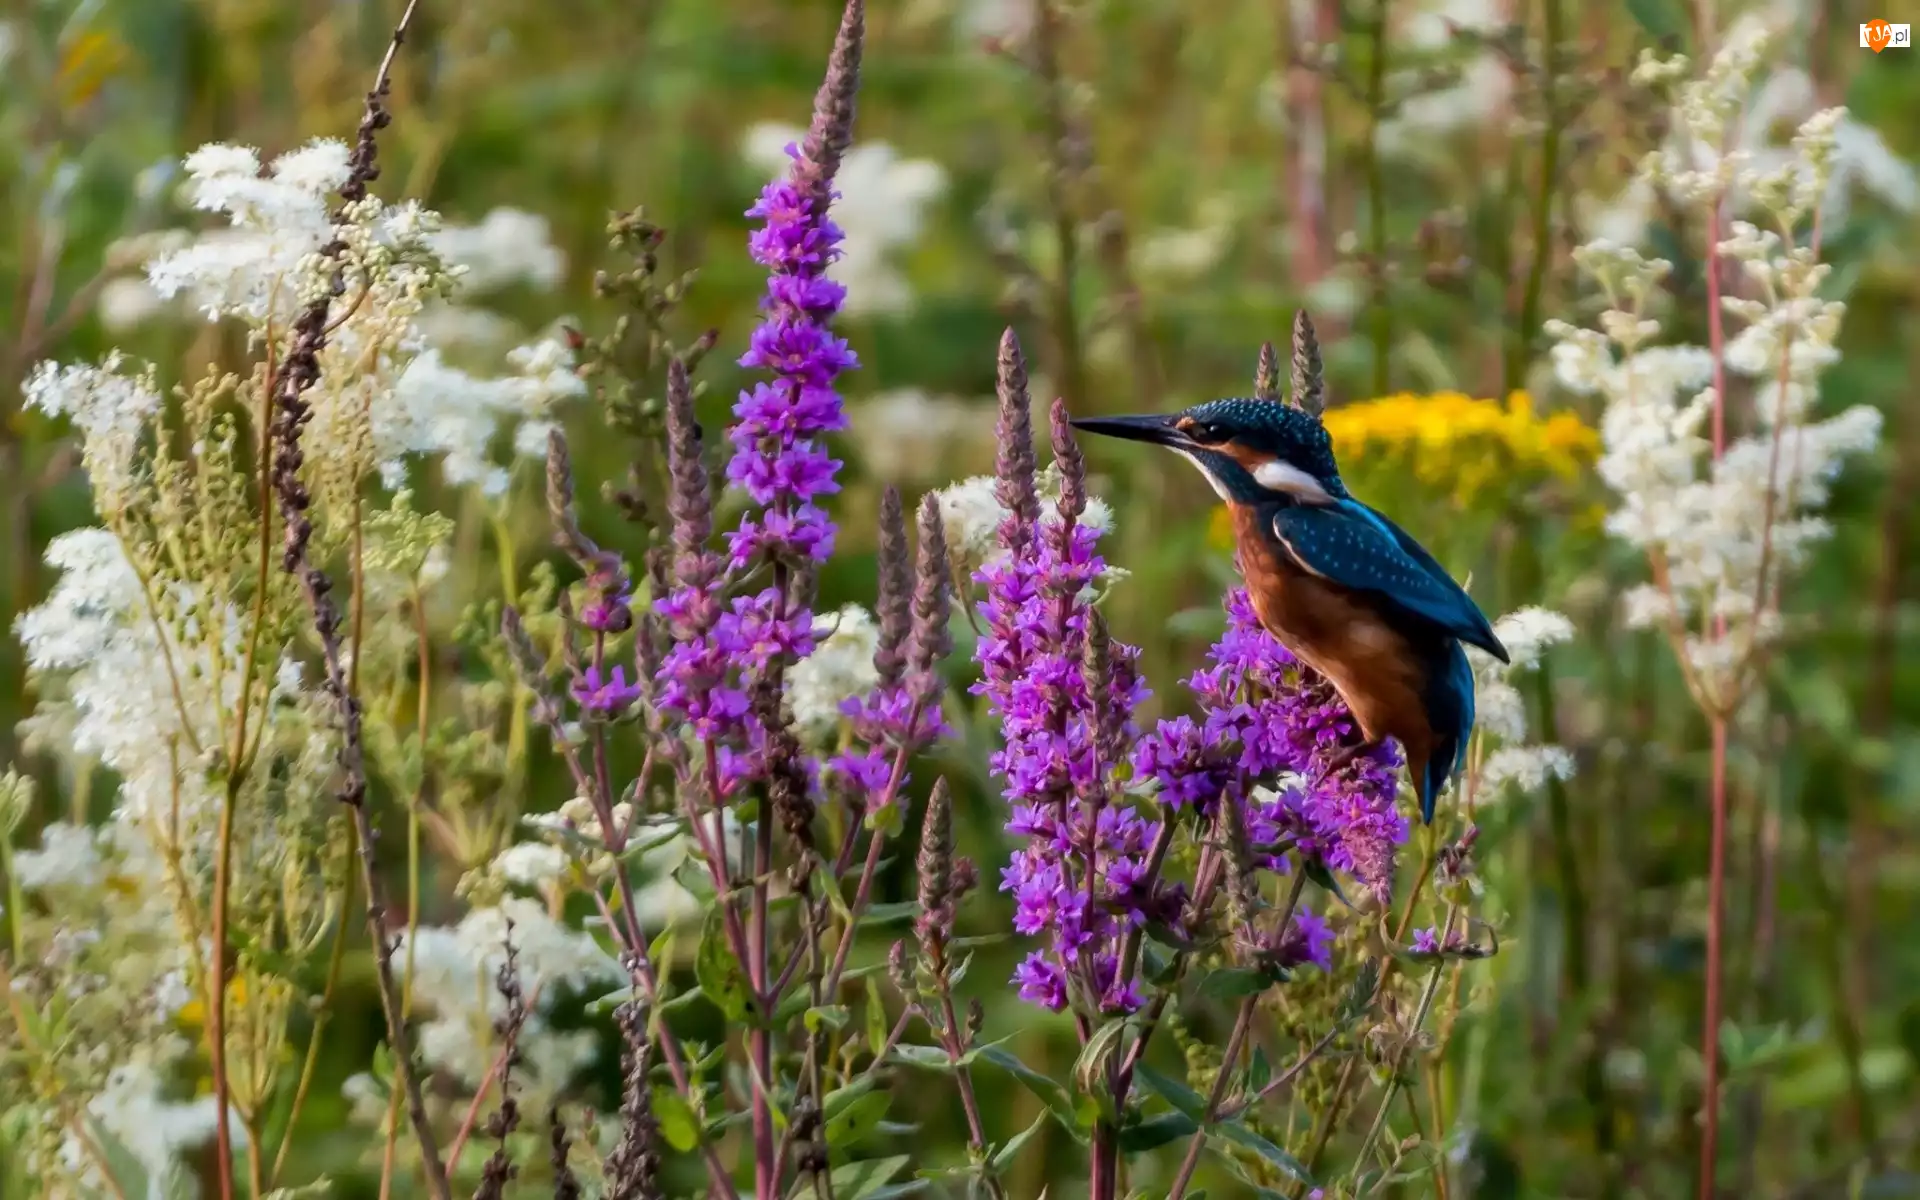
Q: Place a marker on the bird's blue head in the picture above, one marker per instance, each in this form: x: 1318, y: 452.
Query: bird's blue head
x: 1251, y: 451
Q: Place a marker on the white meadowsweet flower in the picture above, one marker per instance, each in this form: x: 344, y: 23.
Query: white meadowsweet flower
x: 1525, y: 768
x: 154, y: 1130
x: 1725, y: 527
x: 439, y: 409
x: 908, y: 436
x: 970, y: 516
x: 277, y: 222
x: 453, y: 978
x: 128, y: 302
x: 839, y: 669
x: 508, y: 246
x: 1511, y: 763
x: 882, y: 205
x: 68, y: 858
x: 1500, y: 711
x: 1527, y: 632
x: 531, y: 864
x: 111, y: 407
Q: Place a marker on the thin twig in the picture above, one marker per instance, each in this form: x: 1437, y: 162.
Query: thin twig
x: 299, y: 370
x: 1241, y: 1023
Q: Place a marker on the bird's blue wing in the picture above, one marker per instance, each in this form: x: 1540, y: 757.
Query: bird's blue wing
x: 1355, y: 547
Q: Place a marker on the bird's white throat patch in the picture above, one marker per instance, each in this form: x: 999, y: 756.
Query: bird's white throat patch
x: 1219, y: 488
x: 1278, y: 475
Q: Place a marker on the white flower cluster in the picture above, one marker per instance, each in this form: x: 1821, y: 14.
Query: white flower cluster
x: 1723, y: 141
x: 908, y: 436
x: 882, y: 204
x: 970, y: 514
x: 839, y: 669
x: 1721, y: 530
x: 1501, y: 714
x: 453, y: 972
x: 385, y: 391
x: 143, y: 696
x: 111, y: 408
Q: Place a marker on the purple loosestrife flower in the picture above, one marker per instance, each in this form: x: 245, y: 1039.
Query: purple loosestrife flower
x: 1264, y: 715
x: 900, y: 716
x: 1081, y: 879
x: 605, y: 695
x: 777, y: 454
x: 777, y: 458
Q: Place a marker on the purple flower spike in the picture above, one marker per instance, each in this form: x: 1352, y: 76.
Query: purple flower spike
x: 605, y: 695
x: 1264, y: 715
x: 1082, y: 879
x: 777, y: 455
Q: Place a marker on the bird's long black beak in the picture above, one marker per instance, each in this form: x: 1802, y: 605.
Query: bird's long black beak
x: 1154, y: 427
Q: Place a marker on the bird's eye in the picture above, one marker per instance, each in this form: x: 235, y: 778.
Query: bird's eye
x: 1206, y: 432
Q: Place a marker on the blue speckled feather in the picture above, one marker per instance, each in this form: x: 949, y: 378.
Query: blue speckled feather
x: 1355, y: 547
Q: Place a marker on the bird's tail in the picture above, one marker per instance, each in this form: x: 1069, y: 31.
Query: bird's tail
x: 1452, y: 715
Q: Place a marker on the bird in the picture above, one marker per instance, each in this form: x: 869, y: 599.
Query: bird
x: 1340, y: 585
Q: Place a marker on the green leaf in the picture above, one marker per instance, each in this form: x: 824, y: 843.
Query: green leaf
x: 877, y: 1029
x: 1093, y: 1060
x: 692, y: 875
x: 1043, y: 1086
x: 677, y: 1123
x: 1173, y: 1091
x: 831, y: 1016
x: 1233, y: 983
x: 719, y: 971
x: 1003, y: 1157
x: 1161, y: 968
x: 1274, y: 1156
x: 931, y: 1058
x: 1156, y: 1131
x: 1259, y: 1070
x: 888, y: 914
x: 661, y: 951
x: 839, y: 1098
x: 887, y: 820
x: 1318, y: 873
x: 1658, y: 17
x: 856, y: 1120
x: 864, y: 1180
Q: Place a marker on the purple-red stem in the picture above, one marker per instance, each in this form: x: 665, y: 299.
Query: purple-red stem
x: 1717, y: 798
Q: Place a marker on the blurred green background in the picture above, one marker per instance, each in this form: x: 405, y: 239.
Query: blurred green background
x: 1146, y: 189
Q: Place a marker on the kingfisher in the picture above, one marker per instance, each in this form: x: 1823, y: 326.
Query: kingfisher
x: 1342, y: 587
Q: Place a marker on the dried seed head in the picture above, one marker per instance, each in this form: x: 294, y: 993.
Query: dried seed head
x: 1072, y: 464
x: 932, y: 641
x: 831, y: 131
x: 1013, y: 434
x: 935, y: 864
x: 1266, y: 377
x: 1109, y: 721
x: 689, y: 500
x: 893, y: 606
x: 633, y: 1169
x: 566, y: 527
x: 1309, y: 383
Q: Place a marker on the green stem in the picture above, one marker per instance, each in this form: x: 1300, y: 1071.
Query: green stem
x: 1400, y: 1056
x: 1381, y: 312
x: 1528, y: 326
x: 336, y: 960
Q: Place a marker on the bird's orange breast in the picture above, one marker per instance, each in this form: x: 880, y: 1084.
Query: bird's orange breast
x: 1342, y: 634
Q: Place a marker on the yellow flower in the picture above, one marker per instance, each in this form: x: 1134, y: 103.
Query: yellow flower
x: 1461, y: 444
x: 1451, y: 442
x: 193, y: 1014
